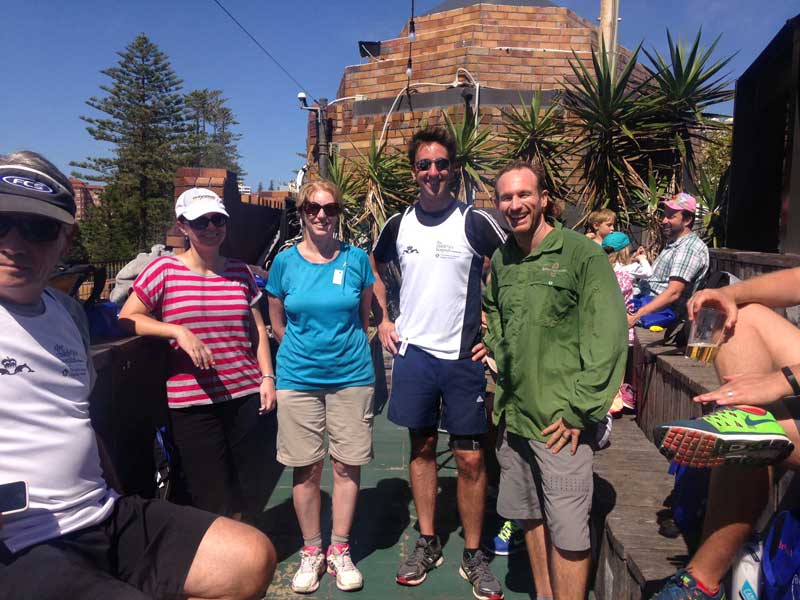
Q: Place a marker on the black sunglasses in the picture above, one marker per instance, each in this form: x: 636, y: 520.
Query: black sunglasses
x: 32, y: 229
x: 442, y: 164
x: 201, y: 223
x: 331, y: 210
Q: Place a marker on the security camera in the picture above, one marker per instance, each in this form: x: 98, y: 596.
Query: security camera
x: 301, y: 96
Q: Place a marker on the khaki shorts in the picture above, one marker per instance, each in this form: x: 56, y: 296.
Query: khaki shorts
x: 532, y: 477
x: 304, y: 416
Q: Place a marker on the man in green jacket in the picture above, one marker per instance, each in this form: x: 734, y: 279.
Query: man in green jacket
x: 557, y: 329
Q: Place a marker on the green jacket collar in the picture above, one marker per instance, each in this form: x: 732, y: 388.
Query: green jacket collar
x: 552, y: 242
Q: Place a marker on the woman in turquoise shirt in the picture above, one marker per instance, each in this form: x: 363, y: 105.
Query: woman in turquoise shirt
x: 319, y: 295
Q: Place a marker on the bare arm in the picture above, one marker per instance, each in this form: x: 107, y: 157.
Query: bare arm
x: 277, y: 316
x: 366, y: 306
x: 386, y: 331
x: 267, y: 389
x: 776, y: 290
x: 135, y: 317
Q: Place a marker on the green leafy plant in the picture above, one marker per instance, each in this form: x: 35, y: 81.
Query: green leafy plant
x: 386, y: 176
x: 687, y: 84
x: 611, y: 114
x: 477, y: 156
x: 535, y: 133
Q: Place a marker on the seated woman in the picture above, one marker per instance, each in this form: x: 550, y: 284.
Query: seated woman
x: 220, y: 375
x: 320, y: 293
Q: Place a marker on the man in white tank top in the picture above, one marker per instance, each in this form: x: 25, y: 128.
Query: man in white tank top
x: 437, y: 375
x: 78, y: 538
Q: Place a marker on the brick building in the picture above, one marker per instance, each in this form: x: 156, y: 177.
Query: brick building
x: 85, y: 195
x: 511, y: 48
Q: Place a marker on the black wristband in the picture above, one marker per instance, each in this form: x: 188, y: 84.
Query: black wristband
x: 787, y: 372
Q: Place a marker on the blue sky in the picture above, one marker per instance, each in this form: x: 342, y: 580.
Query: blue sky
x: 54, y: 51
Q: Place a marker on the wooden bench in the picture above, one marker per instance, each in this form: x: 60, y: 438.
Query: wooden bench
x: 631, y: 479
x: 631, y: 484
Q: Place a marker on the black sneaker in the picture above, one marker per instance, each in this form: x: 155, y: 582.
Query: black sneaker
x: 485, y: 586
x: 426, y: 556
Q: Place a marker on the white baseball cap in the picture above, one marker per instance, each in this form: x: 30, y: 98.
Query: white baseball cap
x: 196, y: 202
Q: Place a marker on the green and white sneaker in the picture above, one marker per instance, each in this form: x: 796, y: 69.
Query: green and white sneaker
x: 730, y: 435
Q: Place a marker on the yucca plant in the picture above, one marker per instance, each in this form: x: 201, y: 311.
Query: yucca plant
x: 611, y: 117
x: 477, y: 156
x: 711, y: 198
x: 535, y: 133
x: 646, y: 193
x: 345, y: 176
x: 686, y: 85
x: 386, y: 176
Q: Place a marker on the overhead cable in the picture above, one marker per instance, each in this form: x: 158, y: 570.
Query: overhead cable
x: 264, y: 50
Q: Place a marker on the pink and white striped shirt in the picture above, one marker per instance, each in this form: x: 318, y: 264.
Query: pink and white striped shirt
x: 216, y: 308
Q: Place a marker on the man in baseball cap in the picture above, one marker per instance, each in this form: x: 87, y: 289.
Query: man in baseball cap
x: 69, y: 521
x: 681, y: 266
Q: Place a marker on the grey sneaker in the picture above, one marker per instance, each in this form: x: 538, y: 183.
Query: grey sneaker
x: 426, y: 556
x: 485, y: 586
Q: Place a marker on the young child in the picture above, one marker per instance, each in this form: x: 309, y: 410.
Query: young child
x: 628, y: 269
x: 600, y: 223
x: 618, y: 247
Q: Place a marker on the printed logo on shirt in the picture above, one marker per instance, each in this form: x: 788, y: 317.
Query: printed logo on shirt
x: 72, y: 359
x: 447, y: 251
x: 553, y: 269
x: 10, y: 367
x: 410, y: 250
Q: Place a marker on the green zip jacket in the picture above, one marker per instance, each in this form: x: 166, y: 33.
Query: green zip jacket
x: 556, y: 326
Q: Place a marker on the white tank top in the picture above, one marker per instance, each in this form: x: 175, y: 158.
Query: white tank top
x: 46, y: 437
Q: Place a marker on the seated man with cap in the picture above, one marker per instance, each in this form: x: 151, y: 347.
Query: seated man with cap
x: 682, y: 265
x: 74, y: 536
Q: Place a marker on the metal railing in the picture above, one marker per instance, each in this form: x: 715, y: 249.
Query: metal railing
x: 112, y: 267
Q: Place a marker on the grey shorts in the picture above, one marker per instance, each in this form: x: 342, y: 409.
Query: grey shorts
x: 305, y: 416
x: 532, y: 477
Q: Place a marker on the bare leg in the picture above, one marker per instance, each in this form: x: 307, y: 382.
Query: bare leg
x: 305, y: 492
x: 537, y: 543
x: 761, y: 343
x: 471, y: 494
x: 422, y: 472
x: 570, y: 573
x: 233, y: 562
x: 346, y: 480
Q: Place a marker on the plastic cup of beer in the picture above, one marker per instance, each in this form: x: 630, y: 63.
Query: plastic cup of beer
x: 705, y: 335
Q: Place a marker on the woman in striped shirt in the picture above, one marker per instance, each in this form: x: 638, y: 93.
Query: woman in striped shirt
x: 220, y: 375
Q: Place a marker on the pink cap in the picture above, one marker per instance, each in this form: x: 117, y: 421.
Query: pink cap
x: 682, y: 201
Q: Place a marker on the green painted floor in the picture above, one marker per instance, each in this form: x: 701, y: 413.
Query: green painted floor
x: 384, y: 530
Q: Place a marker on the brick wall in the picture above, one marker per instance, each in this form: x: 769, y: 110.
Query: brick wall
x: 506, y: 47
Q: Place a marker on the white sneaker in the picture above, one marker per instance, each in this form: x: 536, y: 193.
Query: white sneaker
x: 312, y: 568
x: 348, y: 577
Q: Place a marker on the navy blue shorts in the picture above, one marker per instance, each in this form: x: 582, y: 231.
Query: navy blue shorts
x: 430, y: 392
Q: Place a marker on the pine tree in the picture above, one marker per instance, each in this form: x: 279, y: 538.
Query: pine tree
x: 144, y: 123
x: 211, y: 141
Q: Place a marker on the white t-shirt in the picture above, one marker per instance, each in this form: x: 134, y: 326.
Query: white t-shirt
x: 46, y: 437
x: 441, y: 259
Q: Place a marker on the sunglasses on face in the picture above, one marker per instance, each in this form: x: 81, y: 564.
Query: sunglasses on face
x: 442, y: 164
x: 201, y: 223
x: 331, y: 210
x: 32, y: 229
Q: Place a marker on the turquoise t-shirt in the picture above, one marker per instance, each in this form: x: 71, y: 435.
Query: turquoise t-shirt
x: 324, y: 344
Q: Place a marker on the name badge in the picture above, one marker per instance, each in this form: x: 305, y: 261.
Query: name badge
x: 338, y: 276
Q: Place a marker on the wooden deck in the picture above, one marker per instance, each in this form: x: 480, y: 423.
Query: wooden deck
x: 631, y: 484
